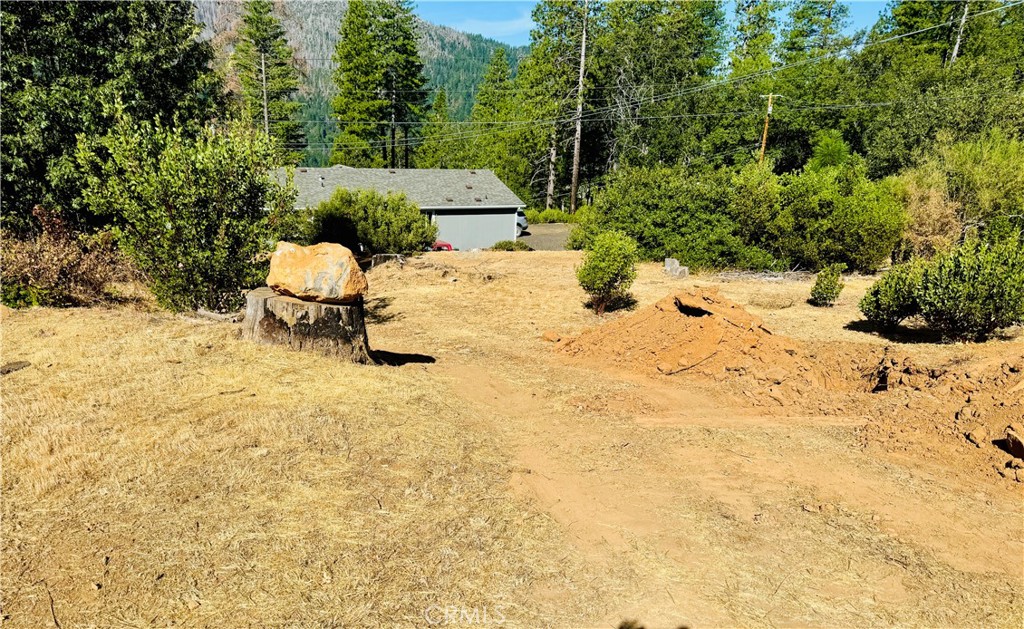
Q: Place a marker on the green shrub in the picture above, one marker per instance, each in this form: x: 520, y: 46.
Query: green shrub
x: 893, y: 298
x: 585, y: 229
x: 672, y: 212
x: 828, y: 285
x: 532, y: 217
x: 556, y: 216
x: 383, y: 224
x: 511, y: 245
x: 192, y: 213
x: 974, y: 289
x: 608, y: 269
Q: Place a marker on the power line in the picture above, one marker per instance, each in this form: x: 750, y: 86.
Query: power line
x: 592, y: 115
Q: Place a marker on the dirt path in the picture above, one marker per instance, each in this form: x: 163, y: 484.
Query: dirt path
x: 692, y: 509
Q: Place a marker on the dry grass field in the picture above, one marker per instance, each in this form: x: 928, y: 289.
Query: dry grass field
x: 158, y: 470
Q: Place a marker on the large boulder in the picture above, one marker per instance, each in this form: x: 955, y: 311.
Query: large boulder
x: 326, y: 273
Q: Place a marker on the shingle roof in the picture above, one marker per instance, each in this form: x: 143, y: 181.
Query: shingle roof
x: 430, y: 188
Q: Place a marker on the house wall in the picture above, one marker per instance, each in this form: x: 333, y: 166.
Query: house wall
x: 476, y: 228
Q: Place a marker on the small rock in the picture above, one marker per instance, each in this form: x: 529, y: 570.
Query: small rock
x: 15, y: 366
x: 1020, y: 476
x: 978, y: 435
x: 966, y: 413
x: 551, y: 336
x: 810, y: 508
x: 1015, y: 463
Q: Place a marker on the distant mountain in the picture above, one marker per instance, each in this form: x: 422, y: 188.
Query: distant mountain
x: 452, y: 59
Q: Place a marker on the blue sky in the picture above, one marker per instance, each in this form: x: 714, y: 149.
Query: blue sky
x: 509, y: 21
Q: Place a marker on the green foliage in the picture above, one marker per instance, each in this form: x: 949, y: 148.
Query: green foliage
x: 435, y: 149
x: 379, y: 80
x: 816, y: 217
x: 538, y: 217
x: 263, y: 59
x: 382, y: 224
x: 974, y: 289
x: 827, y: 285
x: 893, y: 298
x: 511, y: 245
x: 672, y: 213
x: 66, y: 67
x: 192, y: 213
x: 16, y: 295
x: 608, y: 269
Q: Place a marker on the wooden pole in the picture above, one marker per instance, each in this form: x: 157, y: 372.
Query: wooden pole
x: 767, y: 115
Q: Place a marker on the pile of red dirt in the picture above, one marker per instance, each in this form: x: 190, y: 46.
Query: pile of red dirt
x: 697, y: 331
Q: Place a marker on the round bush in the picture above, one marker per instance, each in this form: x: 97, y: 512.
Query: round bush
x: 608, y: 269
x: 828, y: 285
x: 974, y: 289
x: 893, y: 298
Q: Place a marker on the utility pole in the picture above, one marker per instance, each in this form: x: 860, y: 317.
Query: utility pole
x: 579, y: 112
x: 764, y: 136
x: 266, y: 113
x: 960, y: 34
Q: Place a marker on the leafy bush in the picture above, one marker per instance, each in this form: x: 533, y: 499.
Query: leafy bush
x: 608, y: 269
x: 58, y: 267
x: 828, y: 285
x: 974, y: 289
x: 671, y: 212
x: 552, y: 215
x: 532, y: 216
x: 192, y: 213
x: 511, y: 245
x: 383, y: 224
x: 586, y: 228
x: 893, y: 298
x: 825, y: 214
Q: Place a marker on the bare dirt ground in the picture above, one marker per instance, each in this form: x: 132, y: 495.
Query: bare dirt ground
x: 159, y: 470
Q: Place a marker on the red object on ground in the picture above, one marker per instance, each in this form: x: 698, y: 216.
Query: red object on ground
x: 441, y: 245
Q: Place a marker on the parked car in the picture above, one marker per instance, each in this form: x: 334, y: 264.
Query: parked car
x: 521, y: 223
x: 441, y: 245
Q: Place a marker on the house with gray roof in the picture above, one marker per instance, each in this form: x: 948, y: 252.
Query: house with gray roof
x: 471, y: 208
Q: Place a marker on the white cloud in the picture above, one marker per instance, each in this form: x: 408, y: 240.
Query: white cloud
x: 496, y: 28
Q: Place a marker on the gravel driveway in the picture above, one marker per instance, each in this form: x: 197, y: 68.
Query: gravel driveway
x: 547, y: 237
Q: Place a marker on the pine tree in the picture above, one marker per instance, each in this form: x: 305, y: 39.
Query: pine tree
x: 493, y: 93
x: 437, y: 149
x: 380, y: 83
x: 815, y: 27
x: 269, y: 79
x: 67, y: 67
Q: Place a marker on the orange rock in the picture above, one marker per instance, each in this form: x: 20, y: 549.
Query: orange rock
x: 325, y: 272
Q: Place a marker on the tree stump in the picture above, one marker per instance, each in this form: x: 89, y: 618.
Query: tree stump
x: 331, y: 329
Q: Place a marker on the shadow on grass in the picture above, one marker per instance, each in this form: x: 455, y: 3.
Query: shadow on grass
x: 620, y: 302
x: 376, y: 311
x: 397, y: 359
x: 899, y: 334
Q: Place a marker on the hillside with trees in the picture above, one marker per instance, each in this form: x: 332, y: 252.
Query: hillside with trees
x: 452, y: 60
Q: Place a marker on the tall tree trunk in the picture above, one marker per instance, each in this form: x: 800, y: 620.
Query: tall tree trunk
x: 552, y: 162
x: 959, y: 34
x: 579, y: 112
x: 394, y: 147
